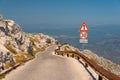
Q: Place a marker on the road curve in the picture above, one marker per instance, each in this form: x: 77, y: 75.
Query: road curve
x: 47, y: 66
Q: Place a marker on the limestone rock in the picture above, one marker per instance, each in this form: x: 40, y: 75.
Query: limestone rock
x: 16, y: 44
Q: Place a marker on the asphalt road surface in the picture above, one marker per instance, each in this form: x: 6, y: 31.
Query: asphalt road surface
x: 47, y: 66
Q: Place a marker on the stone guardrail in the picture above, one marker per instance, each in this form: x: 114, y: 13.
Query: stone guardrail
x: 102, y: 73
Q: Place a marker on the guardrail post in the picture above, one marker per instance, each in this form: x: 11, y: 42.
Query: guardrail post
x: 100, y: 77
x: 62, y: 54
x: 73, y: 55
x: 78, y: 58
x: 59, y: 47
x: 2, y: 67
x: 55, y: 51
x: 67, y: 55
x: 86, y: 65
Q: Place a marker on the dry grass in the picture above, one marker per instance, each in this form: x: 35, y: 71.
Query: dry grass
x: 10, y: 48
x: 66, y: 48
x: 20, y: 58
x: 33, y: 39
x: 2, y: 76
x: 37, y: 50
x: 41, y: 37
x: 94, y: 60
x: 8, y: 65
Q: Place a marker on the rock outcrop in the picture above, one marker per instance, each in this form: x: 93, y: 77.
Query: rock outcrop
x: 107, y: 64
x: 17, y: 46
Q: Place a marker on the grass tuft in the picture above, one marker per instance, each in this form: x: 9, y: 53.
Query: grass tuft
x: 2, y: 76
x: 10, y: 48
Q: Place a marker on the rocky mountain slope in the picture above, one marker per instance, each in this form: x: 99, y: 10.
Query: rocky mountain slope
x: 107, y: 64
x: 17, y: 46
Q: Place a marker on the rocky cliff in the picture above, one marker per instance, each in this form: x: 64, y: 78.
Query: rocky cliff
x: 107, y: 64
x: 17, y: 46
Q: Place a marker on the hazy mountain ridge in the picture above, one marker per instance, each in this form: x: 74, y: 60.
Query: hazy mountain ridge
x: 17, y: 46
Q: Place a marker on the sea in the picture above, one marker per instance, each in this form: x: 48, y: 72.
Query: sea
x: 103, y: 40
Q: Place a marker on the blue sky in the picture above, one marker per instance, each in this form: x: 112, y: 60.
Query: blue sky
x: 62, y: 12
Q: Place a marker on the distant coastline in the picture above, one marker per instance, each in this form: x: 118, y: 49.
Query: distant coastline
x: 102, y: 41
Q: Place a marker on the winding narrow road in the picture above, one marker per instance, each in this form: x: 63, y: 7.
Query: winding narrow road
x: 47, y: 66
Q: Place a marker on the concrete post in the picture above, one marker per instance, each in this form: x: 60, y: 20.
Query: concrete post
x: 100, y: 78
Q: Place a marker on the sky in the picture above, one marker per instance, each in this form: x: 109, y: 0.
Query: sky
x: 61, y: 12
